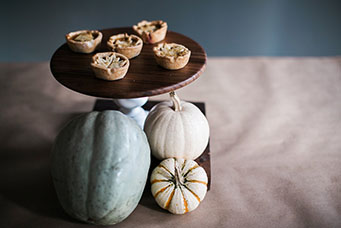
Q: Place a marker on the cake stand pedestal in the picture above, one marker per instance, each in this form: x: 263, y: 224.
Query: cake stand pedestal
x: 143, y: 79
x: 133, y: 108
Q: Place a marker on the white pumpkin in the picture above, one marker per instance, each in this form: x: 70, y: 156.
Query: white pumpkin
x: 179, y: 185
x: 176, y: 129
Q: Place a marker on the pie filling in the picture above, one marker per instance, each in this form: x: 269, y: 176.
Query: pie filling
x: 149, y: 27
x: 111, y: 61
x: 127, y: 41
x: 172, y: 50
x: 84, y: 36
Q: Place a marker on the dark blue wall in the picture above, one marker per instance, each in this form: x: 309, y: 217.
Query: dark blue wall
x: 32, y: 30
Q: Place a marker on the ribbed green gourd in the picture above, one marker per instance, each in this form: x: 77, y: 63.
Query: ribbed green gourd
x: 99, y: 166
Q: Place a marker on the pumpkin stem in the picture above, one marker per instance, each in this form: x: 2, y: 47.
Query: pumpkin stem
x: 176, y: 101
x: 178, y: 177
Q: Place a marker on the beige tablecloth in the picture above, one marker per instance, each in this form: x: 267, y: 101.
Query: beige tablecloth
x: 275, y: 142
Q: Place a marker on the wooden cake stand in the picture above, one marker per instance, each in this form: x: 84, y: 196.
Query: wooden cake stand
x: 143, y: 79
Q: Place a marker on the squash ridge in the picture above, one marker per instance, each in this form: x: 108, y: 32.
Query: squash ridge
x: 90, y: 182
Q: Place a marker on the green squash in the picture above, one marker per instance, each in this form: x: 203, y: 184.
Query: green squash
x: 99, y: 166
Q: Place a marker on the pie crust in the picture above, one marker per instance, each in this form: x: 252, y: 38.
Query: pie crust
x: 110, y: 65
x: 84, y: 41
x: 151, y: 31
x: 128, y: 45
x: 171, y: 56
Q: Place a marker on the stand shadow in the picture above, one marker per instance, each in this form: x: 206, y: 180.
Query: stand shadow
x: 26, y: 181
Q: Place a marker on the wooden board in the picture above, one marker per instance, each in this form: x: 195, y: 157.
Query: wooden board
x: 144, y: 77
x: 204, y: 160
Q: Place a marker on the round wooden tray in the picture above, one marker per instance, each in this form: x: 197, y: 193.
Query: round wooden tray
x: 144, y: 77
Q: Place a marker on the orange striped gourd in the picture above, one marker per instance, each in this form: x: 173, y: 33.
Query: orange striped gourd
x: 179, y: 185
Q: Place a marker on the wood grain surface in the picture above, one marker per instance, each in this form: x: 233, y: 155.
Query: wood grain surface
x: 204, y: 160
x: 144, y: 77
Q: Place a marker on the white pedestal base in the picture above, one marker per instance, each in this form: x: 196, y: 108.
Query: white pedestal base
x: 133, y: 109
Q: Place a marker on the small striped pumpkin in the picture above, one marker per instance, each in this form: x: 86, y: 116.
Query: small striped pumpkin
x: 179, y: 185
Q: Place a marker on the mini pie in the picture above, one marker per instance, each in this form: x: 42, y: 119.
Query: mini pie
x: 128, y: 45
x: 151, y: 31
x: 110, y: 65
x: 171, y: 56
x: 84, y: 41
